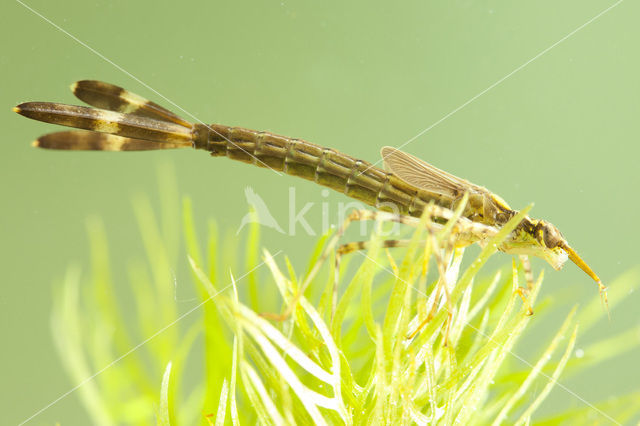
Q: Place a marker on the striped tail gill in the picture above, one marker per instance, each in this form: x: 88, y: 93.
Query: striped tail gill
x: 119, y: 121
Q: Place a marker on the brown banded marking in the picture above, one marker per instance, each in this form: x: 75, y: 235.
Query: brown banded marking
x: 349, y: 248
x: 411, y: 183
x: 100, y: 120
x: 81, y: 140
x: 108, y: 96
x: 353, y: 246
x: 528, y: 272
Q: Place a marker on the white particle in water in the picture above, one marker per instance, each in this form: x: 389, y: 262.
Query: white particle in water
x: 579, y: 353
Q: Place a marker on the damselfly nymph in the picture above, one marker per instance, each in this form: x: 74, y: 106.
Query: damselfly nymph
x: 122, y: 121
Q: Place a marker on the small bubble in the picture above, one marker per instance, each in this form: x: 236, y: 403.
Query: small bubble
x: 579, y: 353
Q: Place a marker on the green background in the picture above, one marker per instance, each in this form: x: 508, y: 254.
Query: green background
x: 562, y: 131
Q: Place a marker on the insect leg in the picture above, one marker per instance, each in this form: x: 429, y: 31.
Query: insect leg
x: 465, y: 231
x: 354, y: 246
x: 442, y: 287
x: 524, y: 295
x: 524, y: 292
x: 354, y: 216
x: 528, y: 274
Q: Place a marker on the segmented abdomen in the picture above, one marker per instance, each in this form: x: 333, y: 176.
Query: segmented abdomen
x: 355, y: 178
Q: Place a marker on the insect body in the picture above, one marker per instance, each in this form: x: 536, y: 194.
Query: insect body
x: 123, y: 121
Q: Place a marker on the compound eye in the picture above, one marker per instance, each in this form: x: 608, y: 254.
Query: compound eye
x: 550, y: 236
